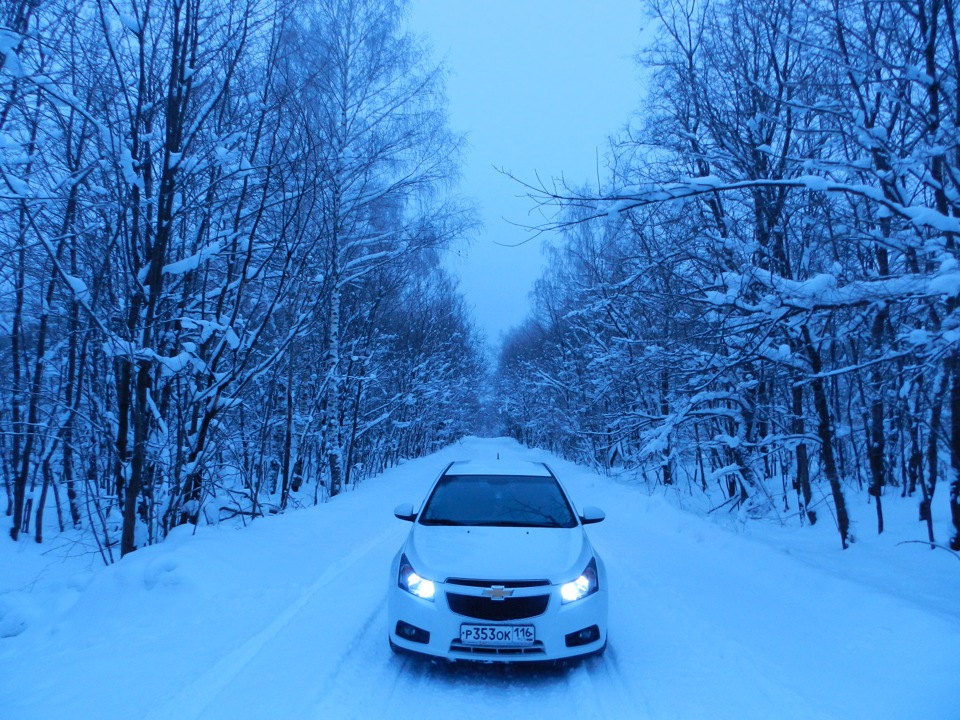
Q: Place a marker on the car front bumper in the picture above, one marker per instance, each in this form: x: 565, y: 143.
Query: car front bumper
x: 561, y: 631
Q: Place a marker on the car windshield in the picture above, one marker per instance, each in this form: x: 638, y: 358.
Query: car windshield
x: 499, y: 501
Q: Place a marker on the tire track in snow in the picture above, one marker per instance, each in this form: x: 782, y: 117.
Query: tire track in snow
x: 191, y: 701
x: 371, y: 681
x: 357, y: 689
x: 673, y: 667
x: 610, y: 686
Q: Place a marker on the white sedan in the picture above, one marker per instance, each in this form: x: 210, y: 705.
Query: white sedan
x: 497, y: 567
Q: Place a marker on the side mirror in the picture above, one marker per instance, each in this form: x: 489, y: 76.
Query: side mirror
x: 405, y: 511
x: 592, y: 514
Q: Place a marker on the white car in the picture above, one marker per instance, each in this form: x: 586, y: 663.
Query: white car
x: 497, y: 568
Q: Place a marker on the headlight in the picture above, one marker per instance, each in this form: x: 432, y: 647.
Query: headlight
x: 413, y: 583
x: 586, y: 584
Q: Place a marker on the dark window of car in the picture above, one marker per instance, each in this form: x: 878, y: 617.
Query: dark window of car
x: 499, y: 501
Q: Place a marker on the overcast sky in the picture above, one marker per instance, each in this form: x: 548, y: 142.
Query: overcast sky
x: 538, y: 86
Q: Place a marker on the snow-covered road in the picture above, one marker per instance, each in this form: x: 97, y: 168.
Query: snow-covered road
x: 287, y: 619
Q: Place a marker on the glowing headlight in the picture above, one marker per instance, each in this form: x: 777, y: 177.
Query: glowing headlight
x: 584, y: 585
x: 413, y: 583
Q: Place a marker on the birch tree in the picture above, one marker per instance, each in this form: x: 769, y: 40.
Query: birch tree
x: 384, y: 150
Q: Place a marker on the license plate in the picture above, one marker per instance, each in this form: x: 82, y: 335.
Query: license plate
x: 498, y: 635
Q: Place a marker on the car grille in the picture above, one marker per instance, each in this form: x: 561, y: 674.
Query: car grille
x: 481, y: 608
x: 491, y: 583
x: 458, y: 647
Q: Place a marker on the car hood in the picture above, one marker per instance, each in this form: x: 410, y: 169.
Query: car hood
x: 498, y: 553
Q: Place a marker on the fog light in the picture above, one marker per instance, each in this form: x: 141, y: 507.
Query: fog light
x: 583, y: 637
x: 412, y: 633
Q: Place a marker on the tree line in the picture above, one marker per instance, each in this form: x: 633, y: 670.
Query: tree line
x: 763, y: 294
x: 220, y: 281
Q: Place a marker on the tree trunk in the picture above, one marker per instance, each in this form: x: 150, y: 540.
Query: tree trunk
x: 334, y: 445
x: 287, y: 438
x: 825, y: 434
x: 954, y: 364
x: 47, y: 482
x: 664, y: 412
x: 798, y: 428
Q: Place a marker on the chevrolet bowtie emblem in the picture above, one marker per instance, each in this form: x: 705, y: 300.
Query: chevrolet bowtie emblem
x: 497, y: 592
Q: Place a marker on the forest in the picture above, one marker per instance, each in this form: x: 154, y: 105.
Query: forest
x: 222, y: 227
x: 223, y: 295
x: 762, y: 295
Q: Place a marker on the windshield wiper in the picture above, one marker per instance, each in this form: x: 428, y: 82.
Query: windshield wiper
x: 442, y: 521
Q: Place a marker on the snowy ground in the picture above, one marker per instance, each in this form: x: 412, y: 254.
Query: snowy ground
x: 287, y: 619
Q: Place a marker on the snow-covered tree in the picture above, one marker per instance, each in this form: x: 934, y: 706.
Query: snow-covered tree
x: 789, y: 191
x: 207, y: 209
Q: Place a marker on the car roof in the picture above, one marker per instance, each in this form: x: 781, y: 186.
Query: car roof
x: 498, y: 467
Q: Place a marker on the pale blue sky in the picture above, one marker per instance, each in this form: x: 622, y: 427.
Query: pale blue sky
x: 538, y: 86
